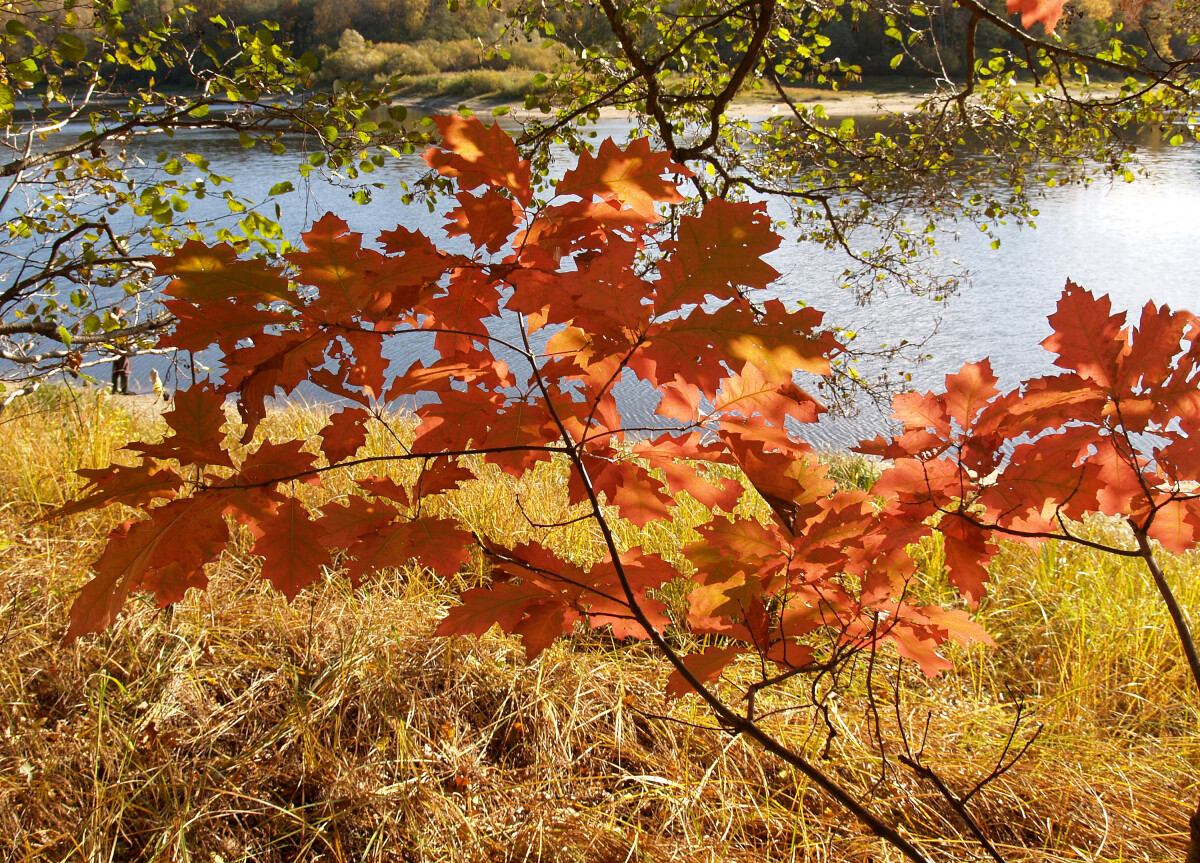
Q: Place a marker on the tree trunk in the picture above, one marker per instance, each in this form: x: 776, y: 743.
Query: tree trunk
x: 1193, y: 852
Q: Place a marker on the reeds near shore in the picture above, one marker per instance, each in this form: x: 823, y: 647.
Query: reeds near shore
x: 239, y: 727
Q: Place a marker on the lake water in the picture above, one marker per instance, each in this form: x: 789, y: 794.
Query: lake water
x: 1136, y: 242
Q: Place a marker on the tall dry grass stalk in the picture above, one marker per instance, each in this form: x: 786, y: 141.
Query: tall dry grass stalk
x: 238, y: 727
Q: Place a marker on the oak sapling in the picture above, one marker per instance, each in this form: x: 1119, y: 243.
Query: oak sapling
x: 569, y: 290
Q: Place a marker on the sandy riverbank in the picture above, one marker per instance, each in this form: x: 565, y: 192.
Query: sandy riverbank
x: 841, y: 103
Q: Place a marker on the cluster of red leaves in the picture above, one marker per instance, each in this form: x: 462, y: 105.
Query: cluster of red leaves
x: 559, y: 301
x: 1115, y: 434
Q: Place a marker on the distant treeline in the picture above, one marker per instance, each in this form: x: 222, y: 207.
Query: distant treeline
x: 380, y: 39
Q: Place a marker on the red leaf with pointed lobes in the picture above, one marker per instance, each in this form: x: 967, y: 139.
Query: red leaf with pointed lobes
x: 196, y: 420
x: 291, y: 546
x: 1120, y: 490
x: 441, y: 475
x: 133, y: 486
x: 282, y: 361
x: 1043, y: 403
x: 366, y: 370
x: 751, y: 394
x: 344, y: 434
x: 1155, y: 343
x: 479, y: 155
x: 633, y: 176
x: 912, y: 443
x: 922, y: 412
x: 349, y: 279
x: 392, y: 546
x: 777, y: 342
x: 488, y: 220
x: 914, y: 643
x: 1087, y: 337
x: 453, y: 421
x: 385, y: 487
x: 969, y: 391
x: 219, y: 324
x: 634, y: 492
x: 123, y: 562
x: 1048, y: 12
x: 1176, y: 525
x: 606, y: 604
x: 1180, y: 458
x: 968, y: 550
x: 527, y: 609
x: 441, y: 545
x: 788, y: 482
x: 416, y: 265
x: 787, y: 653
x: 706, y: 667
x: 1178, y: 397
x: 669, y: 446
x: 542, y: 625
x: 215, y: 274
x: 716, y: 254
x: 680, y: 401
x: 725, y: 549
x: 275, y: 462
x: 165, y: 554
x: 438, y: 378
x: 342, y: 523
x: 458, y: 313
x: 609, y: 299
x: 711, y: 492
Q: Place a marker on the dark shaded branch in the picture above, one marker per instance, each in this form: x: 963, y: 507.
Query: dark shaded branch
x: 1178, y: 617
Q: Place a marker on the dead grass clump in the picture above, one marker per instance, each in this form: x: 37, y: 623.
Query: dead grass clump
x: 238, y: 727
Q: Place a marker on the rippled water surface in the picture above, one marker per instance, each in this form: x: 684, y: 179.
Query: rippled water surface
x: 1136, y: 242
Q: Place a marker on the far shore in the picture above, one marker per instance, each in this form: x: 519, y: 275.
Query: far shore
x: 839, y: 103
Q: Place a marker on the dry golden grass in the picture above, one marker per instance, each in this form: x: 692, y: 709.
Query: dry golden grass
x: 238, y: 727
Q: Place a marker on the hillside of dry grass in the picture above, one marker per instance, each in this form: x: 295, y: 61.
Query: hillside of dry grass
x: 239, y: 727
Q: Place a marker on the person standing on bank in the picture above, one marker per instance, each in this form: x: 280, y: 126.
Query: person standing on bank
x: 120, y: 374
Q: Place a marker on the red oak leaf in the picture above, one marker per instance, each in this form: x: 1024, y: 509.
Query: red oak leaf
x: 488, y: 220
x: 437, y: 543
x: 478, y: 155
x: 716, y: 254
x: 705, y: 667
x: 293, y: 554
x: 344, y: 434
x: 633, y: 176
x: 214, y: 274
x: 1048, y: 12
x: 196, y: 420
x: 342, y: 523
x: 132, y: 486
x: 1087, y: 337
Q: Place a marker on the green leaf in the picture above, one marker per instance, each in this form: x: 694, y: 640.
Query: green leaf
x: 282, y: 188
x: 7, y: 101
x: 64, y: 336
x: 72, y: 47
